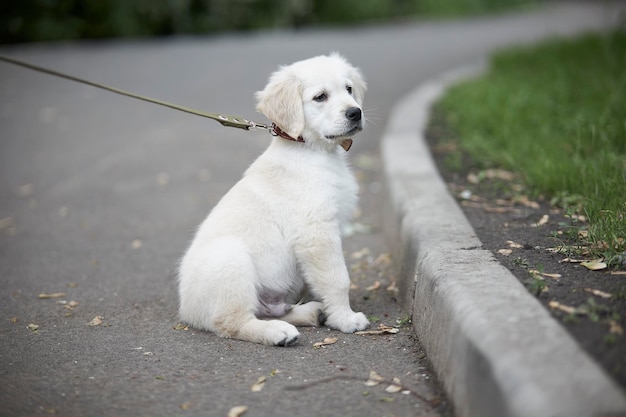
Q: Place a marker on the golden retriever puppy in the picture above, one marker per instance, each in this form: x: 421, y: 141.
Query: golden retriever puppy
x: 269, y: 255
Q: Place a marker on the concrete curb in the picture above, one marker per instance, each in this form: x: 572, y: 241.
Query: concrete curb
x: 496, y: 350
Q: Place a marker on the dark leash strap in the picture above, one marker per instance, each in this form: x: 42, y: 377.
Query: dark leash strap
x: 225, y: 120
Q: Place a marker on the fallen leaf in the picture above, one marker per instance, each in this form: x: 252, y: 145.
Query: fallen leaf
x: 181, y: 326
x: 535, y: 273
x: 513, y: 245
x: 258, y: 385
x: 615, y: 328
x: 360, y: 254
x: 598, y: 293
x: 96, y: 321
x: 572, y: 261
x: 52, y: 295
x: 558, y: 306
x: 25, y: 190
x: 383, y: 259
x: 523, y: 200
x: 373, y: 287
x: 33, y: 327
x: 396, y: 387
x: 374, y: 379
x: 594, y: 265
x: 237, y: 411
x: 544, y: 219
x: 274, y: 372
x: 6, y: 223
x: 185, y: 406
x: 393, y: 287
x: 163, y: 179
x: 382, y: 329
x: 326, y: 342
x: 499, y: 210
x: 13, y: 319
x: 505, y: 252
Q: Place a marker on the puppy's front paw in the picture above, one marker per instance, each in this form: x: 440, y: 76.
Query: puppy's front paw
x: 283, y: 334
x: 348, y: 322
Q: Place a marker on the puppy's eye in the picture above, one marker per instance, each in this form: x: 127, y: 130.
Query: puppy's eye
x: 349, y: 89
x: 320, y: 97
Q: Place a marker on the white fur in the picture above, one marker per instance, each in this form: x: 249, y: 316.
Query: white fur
x: 276, y: 233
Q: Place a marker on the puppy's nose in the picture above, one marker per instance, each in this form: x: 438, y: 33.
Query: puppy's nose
x: 354, y: 114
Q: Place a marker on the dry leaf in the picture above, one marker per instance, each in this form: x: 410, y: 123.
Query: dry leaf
x: 326, y: 342
x: 572, y: 261
x: 536, y: 274
x: 33, y: 327
x: 598, y: 293
x: 544, y: 219
x: 393, y: 287
x: 505, y: 252
x: 52, y: 295
x: 615, y: 328
x: 238, y: 411
x: 96, y: 321
x: 6, y: 223
x: 163, y: 179
x: 382, y: 329
x: 382, y: 260
x: 181, y: 326
x: 25, y: 190
x: 373, y: 287
x: 396, y: 387
x: 594, y: 265
x: 558, y: 306
x: 360, y: 254
x: 374, y: 379
x: 185, y: 406
x: 513, y: 245
x: 258, y: 385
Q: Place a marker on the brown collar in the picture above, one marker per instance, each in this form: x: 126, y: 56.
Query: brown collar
x: 277, y: 131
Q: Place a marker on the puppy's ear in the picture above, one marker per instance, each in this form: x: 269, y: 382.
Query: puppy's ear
x: 281, y: 102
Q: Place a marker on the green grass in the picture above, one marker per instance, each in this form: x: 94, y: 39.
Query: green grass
x: 556, y: 114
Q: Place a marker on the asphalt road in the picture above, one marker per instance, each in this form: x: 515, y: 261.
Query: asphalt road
x: 100, y: 195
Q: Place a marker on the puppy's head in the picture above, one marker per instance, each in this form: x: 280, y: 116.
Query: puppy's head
x: 319, y: 99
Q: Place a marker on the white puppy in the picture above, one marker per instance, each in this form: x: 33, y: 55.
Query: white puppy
x: 274, y: 238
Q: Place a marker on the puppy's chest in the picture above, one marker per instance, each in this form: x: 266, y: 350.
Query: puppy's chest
x: 331, y: 191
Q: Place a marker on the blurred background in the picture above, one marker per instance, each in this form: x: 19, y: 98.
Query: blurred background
x: 49, y: 20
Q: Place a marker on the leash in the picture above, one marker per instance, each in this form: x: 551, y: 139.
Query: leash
x: 224, y: 120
